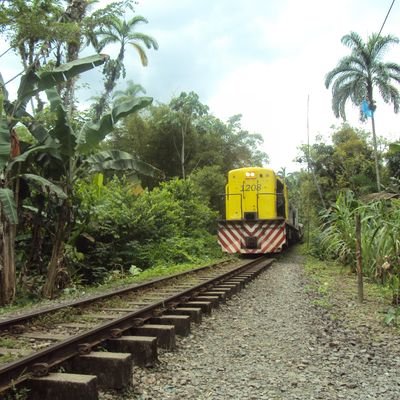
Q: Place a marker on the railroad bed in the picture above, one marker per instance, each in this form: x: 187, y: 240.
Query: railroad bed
x: 277, y: 341
x: 70, y: 351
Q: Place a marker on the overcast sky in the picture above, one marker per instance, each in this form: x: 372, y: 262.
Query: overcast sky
x: 261, y: 59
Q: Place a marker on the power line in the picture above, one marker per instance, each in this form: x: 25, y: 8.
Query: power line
x: 384, y: 22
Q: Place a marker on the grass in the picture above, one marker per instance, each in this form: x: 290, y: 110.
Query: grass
x: 334, y: 288
x: 119, y: 279
x: 67, y: 314
x: 8, y: 343
x: 158, y: 272
x: 20, y: 393
x: 321, y: 281
x: 19, y: 304
x: 9, y: 357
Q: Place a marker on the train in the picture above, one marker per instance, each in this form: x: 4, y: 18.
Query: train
x: 258, y: 216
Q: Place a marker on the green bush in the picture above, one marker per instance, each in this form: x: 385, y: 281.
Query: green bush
x: 380, y: 237
x: 337, y: 239
x: 177, y: 250
x: 169, y: 224
x: 210, y: 182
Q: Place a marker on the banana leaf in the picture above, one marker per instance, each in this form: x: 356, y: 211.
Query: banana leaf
x: 3, y: 88
x: 120, y: 161
x: 34, y: 82
x: 5, y: 144
x: 92, y: 134
x: 25, y: 135
x: 45, y: 185
x: 24, y: 156
x: 64, y: 72
x: 62, y: 131
x: 8, y: 205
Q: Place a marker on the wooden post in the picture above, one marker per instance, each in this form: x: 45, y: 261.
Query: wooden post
x: 359, y: 259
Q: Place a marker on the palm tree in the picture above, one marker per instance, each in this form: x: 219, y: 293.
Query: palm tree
x: 356, y: 76
x: 121, y: 32
x: 132, y: 90
x: 74, y: 14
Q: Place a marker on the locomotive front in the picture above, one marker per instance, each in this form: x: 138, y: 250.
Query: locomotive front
x: 256, y: 212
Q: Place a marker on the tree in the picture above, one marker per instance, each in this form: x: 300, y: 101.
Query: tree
x: 73, y: 15
x: 119, y: 31
x: 64, y: 154
x: 14, y: 160
x: 356, y: 76
x: 352, y: 157
x: 156, y: 136
x: 241, y: 148
x: 132, y: 90
x: 186, y: 109
x: 393, y: 160
x: 344, y: 164
x: 44, y: 32
x: 31, y: 27
x: 210, y: 183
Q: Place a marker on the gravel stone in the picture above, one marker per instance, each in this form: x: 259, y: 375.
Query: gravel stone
x: 271, y: 342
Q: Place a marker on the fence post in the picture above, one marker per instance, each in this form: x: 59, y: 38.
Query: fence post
x: 359, y: 259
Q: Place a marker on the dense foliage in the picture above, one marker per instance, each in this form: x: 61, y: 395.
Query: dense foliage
x: 344, y: 174
x: 73, y: 207
x: 169, y: 224
x: 380, y: 223
x: 342, y: 171
x: 346, y: 163
x: 181, y: 137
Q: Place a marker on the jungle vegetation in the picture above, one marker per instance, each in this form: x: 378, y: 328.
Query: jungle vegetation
x: 87, y: 192
x: 352, y: 184
x: 131, y: 183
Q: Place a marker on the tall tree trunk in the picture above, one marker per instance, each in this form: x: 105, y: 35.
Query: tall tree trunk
x: 378, y: 178
x: 57, y: 253
x: 183, y: 154
x: 360, y: 284
x: 7, y: 261
x: 8, y: 232
x: 318, y: 187
x: 112, y: 71
x: 75, y: 12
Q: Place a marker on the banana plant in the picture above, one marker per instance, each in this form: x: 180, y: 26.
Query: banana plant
x: 13, y: 164
x: 76, y: 153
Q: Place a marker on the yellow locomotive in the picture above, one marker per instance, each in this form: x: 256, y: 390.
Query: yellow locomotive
x: 259, y: 219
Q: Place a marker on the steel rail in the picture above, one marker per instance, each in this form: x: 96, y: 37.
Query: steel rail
x: 43, y: 361
x: 7, y: 323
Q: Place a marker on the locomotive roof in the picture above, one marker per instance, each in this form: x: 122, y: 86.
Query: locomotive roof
x: 244, y: 169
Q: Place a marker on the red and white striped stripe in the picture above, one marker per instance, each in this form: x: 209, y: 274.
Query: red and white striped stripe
x: 271, y: 236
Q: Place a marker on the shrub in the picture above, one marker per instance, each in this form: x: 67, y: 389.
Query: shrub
x: 337, y: 238
x: 169, y: 224
x: 380, y: 236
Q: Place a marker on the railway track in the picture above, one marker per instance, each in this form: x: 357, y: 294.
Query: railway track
x: 70, y: 350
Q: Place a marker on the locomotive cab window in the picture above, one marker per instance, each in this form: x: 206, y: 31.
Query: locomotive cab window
x: 280, y: 199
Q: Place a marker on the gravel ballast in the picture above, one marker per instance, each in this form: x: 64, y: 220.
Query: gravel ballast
x: 272, y: 342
